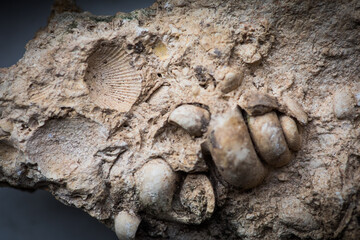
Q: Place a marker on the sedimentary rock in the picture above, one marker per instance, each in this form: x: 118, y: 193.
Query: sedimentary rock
x: 92, y: 114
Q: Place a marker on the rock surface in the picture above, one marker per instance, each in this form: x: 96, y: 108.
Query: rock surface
x: 88, y: 106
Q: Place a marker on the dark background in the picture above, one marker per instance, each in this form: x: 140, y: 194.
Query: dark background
x: 30, y: 216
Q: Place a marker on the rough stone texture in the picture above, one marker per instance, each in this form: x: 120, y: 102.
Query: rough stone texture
x: 58, y: 134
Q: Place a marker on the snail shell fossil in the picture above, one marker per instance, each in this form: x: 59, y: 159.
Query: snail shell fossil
x: 291, y: 132
x: 156, y: 183
x: 126, y: 225
x: 113, y: 83
x: 233, y: 152
x: 191, y: 118
x: 269, y: 139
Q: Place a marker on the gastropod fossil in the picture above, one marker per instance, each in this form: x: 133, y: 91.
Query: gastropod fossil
x: 233, y: 152
x: 291, y: 132
x: 269, y: 139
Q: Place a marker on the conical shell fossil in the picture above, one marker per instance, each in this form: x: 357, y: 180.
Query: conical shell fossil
x: 233, y: 152
x: 269, y: 139
x: 112, y: 81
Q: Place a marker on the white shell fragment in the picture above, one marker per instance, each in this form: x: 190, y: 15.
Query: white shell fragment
x: 197, y: 197
x: 233, y: 152
x: 191, y: 118
x: 126, y: 225
x: 113, y: 83
x: 257, y: 103
x: 344, y: 103
x: 291, y: 132
x: 231, y: 81
x: 156, y: 183
x: 269, y: 139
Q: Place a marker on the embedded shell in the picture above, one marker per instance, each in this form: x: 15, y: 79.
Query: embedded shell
x: 113, y: 83
x: 256, y: 103
x: 231, y: 81
x: 269, y: 139
x: 156, y: 183
x: 232, y: 151
x: 291, y: 132
x: 126, y: 225
x: 191, y: 118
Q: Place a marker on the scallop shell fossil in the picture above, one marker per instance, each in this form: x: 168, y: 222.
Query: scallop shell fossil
x: 113, y: 83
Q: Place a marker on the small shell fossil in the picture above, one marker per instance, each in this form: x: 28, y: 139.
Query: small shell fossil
x: 257, y: 103
x: 291, y: 132
x: 233, y: 152
x: 156, y: 183
x: 197, y: 196
x: 126, y: 225
x: 191, y: 118
x: 269, y: 139
x: 294, y: 109
x: 231, y: 81
x: 113, y: 83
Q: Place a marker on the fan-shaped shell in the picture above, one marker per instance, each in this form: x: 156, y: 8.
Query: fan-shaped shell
x: 112, y: 81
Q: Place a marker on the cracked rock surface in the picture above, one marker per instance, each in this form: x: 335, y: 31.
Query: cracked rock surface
x: 114, y: 115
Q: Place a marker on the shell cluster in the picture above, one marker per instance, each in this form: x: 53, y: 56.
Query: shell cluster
x: 113, y: 83
x: 241, y: 150
x: 237, y: 148
x: 157, y: 187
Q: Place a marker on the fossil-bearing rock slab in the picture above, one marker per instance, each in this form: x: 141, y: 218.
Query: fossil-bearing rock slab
x: 134, y: 118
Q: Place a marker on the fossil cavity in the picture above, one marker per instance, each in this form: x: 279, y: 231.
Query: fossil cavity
x: 66, y: 147
x: 113, y: 82
x: 197, y: 197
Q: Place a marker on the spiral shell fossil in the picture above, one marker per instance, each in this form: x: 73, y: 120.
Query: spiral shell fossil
x: 113, y: 83
x: 269, y: 139
x: 233, y: 152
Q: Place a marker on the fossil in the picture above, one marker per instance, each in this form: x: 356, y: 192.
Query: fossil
x: 113, y: 82
x: 192, y: 119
